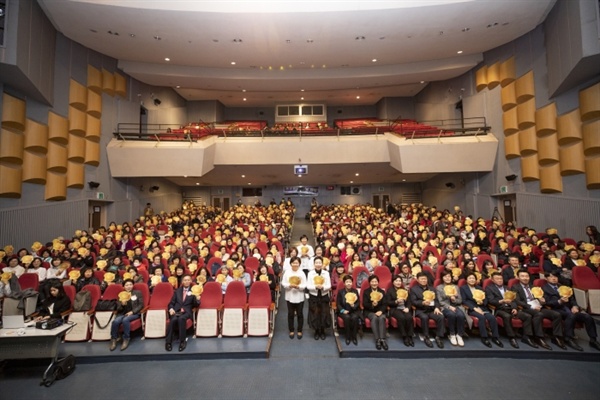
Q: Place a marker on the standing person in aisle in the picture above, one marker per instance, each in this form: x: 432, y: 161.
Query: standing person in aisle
x: 294, y: 283
x: 306, y: 253
x: 318, y: 284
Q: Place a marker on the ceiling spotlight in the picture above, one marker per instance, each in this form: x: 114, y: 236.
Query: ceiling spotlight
x: 288, y: 41
x: 359, y: 38
x: 302, y: 90
x: 167, y: 59
x: 459, y: 52
x: 374, y: 60
x: 233, y: 63
x: 299, y: 175
x: 301, y: 98
x: 215, y: 40
x: 237, y: 40
x: 243, y: 176
x: 466, y: 29
x: 357, y: 174
x: 244, y: 99
x: 185, y: 176
x: 351, y: 181
x: 249, y: 183
x: 358, y: 97
x: 440, y: 33
x: 132, y: 35
x: 243, y: 90
x: 157, y: 38
x: 157, y: 102
x: 177, y: 86
x: 197, y: 183
x: 422, y: 81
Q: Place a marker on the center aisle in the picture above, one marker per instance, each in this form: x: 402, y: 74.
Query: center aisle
x: 282, y: 346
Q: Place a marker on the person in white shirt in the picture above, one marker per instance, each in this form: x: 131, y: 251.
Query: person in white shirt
x: 292, y: 253
x: 306, y: 254
x: 36, y: 268
x: 294, y: 295
x: 318, y: 284
x: 14, y: 267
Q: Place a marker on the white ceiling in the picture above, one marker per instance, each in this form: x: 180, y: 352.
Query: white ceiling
x: 325, y: 48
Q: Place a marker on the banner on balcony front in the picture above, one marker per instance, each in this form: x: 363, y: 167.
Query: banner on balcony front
x: 301, y: 191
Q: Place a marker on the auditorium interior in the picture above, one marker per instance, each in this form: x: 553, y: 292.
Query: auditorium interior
x: 488, y: 107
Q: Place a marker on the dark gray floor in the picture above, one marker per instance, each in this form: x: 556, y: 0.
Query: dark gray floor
x: 307, y: 369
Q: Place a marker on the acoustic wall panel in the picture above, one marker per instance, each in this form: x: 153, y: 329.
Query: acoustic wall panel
x: 13, y: 113
x: 589, y: 103
x: 36, y: 137
x: 11, y: 146
x: 34, y: 168
x: 58, y: 128
x: 569, y: 127
x: 545, y: 120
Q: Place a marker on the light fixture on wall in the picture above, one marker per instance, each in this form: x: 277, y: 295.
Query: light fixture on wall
x: 511, y: 177
x: 93, y: 185
x: 157, y: 102
x: 450, y: 185
x: 153, y: 188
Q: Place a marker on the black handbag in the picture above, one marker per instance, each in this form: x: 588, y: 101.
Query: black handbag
x: 106, y: 305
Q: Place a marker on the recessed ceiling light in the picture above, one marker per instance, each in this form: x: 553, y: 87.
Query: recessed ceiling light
x: 244, y: 90
x: 177, y: 86
x: 113, y: 33
x: 302, y: 90
x: 288, y: 41
x: 359, y: 38
x: 237, y: 40
x: 299, y: 176
x: 505, y: 23
x: 302, y: 63
x: 358, y: 97
x: 244, y: 99
x: 422, y: 81
x: 382, y: 38
x: 345, y: 65
x: 492, y: 25
x: 324, y: 66
x: 132, y: 35
x: 309, y: 41
x: 374, y: 60
x: 270, y: 68
x: 301, y: 98
x: 249, y: 183
x: 459, y: 52
x: 185, y: 176
x: 197, y: 183
x: 466, y: 29
x: 157, y: 38
x: 281, y: 68
x: 440, y: 33
x: 167, y: 59
x: 403, y: 180
x: 357, y: 174
x: 243, y: 176
x: 233, y: 63
x: 351, y: 181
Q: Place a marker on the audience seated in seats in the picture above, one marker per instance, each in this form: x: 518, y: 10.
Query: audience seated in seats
x: 562, y: 300
x: 503, y: 300
x: 533, y: 304
x: 129, y: 306
x: 427, y: 306
x: 375, y: 310
x: 180, y: 310
x: 451, y: 302
x: 348, y: 308
x: 476, y: 302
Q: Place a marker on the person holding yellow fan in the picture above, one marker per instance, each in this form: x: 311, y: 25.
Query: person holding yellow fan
x: 348, y: 309
x: 397, y: 300
x: 318, y: 284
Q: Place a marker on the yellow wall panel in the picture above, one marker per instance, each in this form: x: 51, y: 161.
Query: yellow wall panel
x: 77, y: 121
x: 525, y: 88
x: 589, y: 103
x: 58, y: 128
x: 94, y: 104
x: 572, y: 161
x: 510, y: 121
x: 11, y: 146
x: 36, y: 137
x: 493, y: 75
x: 92, y: 153
x: 592, y: 172
x: 526, y: 114
x: 56, y: 186
x: 545, y: 120
x: 481, y: 78
x: 34, y: 168
x: 591, y: 138
x: 528, y: 141
x: 530, y: 170
x: 76, y: 149
x: 78, y: 97
x: 13, y: 112
x: 507, y: 72
x: 511, y: 146
x: 108, y: 82
x: 120, y: 85
x: 57, y: 158
x: 548, y: 150
x: 75, y: 175
x: 94, y: 79
x: 569, y: 128
x: 93, y: 130
x: 509, y: 97
x: 550, y: 179
x: 10, y: 181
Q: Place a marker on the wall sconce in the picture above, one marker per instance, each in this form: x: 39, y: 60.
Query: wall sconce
x: 511, y: 177
x: 153, y: 188
x: 93, y: 185
x: 450, y: 185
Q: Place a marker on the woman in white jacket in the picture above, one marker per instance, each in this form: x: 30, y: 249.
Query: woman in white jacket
x: 294, y: 283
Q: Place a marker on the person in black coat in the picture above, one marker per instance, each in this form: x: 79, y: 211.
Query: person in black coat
x: 127, y: 311
x: 478, y: 309
x: 569, y: 311
x: 180, y: 310
x: 54, y: 305
x: 401, y: 310
x: 375, y: 311
x: 427, y: 309
x: 349, y: 312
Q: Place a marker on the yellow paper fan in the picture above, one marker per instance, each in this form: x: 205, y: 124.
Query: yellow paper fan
x: 197, y: 290
x: 201, y: 279
x: 351, y: 298
x: 193, y: 267
x: 82, y: 251
x: 172, y: 268
x: 478, y: 276
x: 580, y: 263
x: 263, y: 278
x: 155, y: 280
x: 237, y: 273
x: 428, y: 295
x: 319, y: 280
x: 450, y: 290
x: 595, y: 259
x: 74, y: 275
x: 503, y: 246
x: 479, y: 296
x: 127, y: 275
x: 556, y: 261
x: 537, y: 292
x: 220, y: 278
x: 551, y: 231
x: 402, y: 294
x: 165, y: 255
x: 124, y: 296
x: 476, y: 250
x: 27, y: 259
x: 456, y: 272
x: 569, y: 247
x: 565, y: 291
x: 294, y: 280
x: 432, y: 260
x: 510, y: 295
x: 416, y: 270
x: 109, y: 277
x: 173, y: 281
x: 6, y: 276
x: 589, y: 247
x: 36, y: 246
x: 101, y: 264
x: 376, y: 296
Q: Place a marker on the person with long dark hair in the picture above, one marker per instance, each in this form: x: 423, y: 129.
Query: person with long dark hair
x: 54, y: 305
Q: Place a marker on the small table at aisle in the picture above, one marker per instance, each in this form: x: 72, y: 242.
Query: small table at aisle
x: 24, y: 343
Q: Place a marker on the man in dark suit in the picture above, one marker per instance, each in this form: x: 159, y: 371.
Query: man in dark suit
x: 535, y: 308
x: 569, y: 311
x: 507, y: 310
x: 513, y: 267
x: 426, y: 310
x: 180, y: 310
